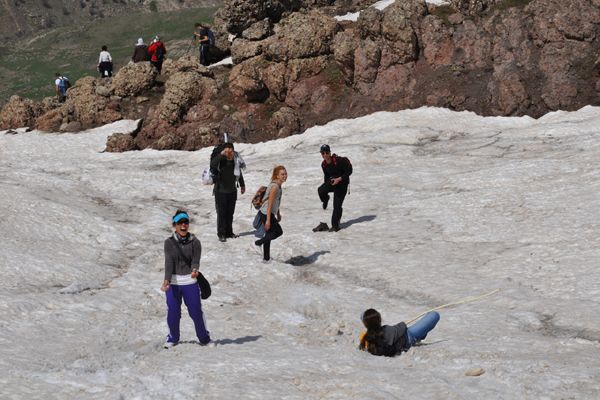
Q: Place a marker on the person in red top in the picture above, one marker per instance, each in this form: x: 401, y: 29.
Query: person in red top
x: 157, y: 51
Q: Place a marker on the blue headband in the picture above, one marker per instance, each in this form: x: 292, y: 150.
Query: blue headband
x: 179, y: 217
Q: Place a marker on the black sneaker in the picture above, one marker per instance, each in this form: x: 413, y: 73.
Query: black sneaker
x: 231, y: 236
x: 334, y: 229
x: 222, y: 238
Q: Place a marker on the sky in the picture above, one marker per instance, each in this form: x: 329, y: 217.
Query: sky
x: 442, y: 206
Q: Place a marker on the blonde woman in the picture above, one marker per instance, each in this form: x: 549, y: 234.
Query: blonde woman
x: 269, y: 212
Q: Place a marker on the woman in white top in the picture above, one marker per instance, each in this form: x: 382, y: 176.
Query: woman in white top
x: 269, y: 212
x: 105, y: 65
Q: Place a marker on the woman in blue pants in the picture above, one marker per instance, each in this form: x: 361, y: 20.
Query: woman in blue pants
x: 182, y: 260
x: 391, y: 340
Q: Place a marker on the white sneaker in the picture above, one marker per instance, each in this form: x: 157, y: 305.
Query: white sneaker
x: 168, y: 345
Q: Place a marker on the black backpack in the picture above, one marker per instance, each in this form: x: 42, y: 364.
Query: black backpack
x: 214, y: 171
x: 211, y: 37
x: 159, y: 53
x: 379, y: 347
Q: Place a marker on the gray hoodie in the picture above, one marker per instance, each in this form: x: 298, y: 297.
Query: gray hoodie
x: 174, y: 263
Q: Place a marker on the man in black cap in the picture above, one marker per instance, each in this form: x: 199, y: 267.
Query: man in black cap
x: 336, y: 171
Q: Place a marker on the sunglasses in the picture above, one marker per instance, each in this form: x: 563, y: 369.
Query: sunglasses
x: 183, y: 221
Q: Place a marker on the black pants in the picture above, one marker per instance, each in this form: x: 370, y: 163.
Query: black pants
x: 105, y: 66
x: 339, y: 194
x: 157, y: 65
x: 225, y: 205
x: 204, y: 55
x: 273, y: 233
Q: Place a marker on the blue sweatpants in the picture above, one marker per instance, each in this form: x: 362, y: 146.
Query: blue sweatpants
x: 191, y: 296
x: 421, y: 328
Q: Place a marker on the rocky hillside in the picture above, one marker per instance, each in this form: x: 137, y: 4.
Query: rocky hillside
x: 295, y: 65
x: 25, y: 18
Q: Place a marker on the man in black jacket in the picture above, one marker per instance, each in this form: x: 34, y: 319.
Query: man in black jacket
x: 336, y: 172
x: 229, y: 166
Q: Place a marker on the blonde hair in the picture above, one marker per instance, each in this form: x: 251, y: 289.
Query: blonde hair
x: 276, y: 171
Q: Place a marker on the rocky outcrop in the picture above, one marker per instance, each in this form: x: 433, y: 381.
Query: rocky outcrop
x: 132, y: 79
x: 18, y: 113
x: 295, y: 66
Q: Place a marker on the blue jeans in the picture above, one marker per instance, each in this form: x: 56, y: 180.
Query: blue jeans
x: 421, y: 328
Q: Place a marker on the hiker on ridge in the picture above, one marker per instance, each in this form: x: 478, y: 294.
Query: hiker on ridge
x: 269, y: 211
x: 61, y: 84
x: 336, y: 178
x: 157, y: 52
x: 140, y: 53
x: 182, y: 261
x: 229, y: 166
x: 201, y: 34
x: 105, y: 65
x: 391, y: 340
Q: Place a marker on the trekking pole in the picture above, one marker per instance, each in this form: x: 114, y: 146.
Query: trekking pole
x: 465, y: 300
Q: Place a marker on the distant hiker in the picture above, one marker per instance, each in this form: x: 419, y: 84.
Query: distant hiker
x: 269, y: 214
x: 391, y: 340
x: 61, y: 84
x: 157, y: 52
x: 140, y: 53
x: 336, y: 172
x: 182, y: 261
x: 105, y: 65
x: 228, y: 166
x: 201, y: 33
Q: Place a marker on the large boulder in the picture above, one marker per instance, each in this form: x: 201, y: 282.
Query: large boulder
x: 133, y: 79
x: 90, y: 108
x: 182, y: 91
x: 301, y: 35
x: 245, y: 80
x: 18, y: 113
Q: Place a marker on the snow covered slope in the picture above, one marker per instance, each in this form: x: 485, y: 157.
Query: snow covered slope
x: 443, y: 205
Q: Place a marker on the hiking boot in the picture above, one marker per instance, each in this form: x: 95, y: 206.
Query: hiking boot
x: 232, y: 236
x: 334, y: 229
x: 222, y: 238
x: 209, y: 344
x: 168, y: 345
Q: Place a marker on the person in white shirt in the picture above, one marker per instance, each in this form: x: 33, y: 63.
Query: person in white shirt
x: 105, y: 65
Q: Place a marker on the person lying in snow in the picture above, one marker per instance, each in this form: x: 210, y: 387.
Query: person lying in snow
x: 392, y: 340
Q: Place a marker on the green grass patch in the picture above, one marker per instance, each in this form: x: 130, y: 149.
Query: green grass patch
x: 28, y: 68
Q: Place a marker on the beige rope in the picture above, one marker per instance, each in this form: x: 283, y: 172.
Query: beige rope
x: 464, y: 300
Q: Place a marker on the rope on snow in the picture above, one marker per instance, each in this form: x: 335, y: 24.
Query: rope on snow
x: 464, y: 300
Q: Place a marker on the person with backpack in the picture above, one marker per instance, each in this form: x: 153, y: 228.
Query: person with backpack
x: 269, y: 214
x: 391, y: 340
x: 336, y: 173
x: 157, y: 52
x: 226, y: 167
x: 61, y: 84
x: 202, y: 34
x: 182, y: 261
x: 140, y: 52
x: 105, y: 65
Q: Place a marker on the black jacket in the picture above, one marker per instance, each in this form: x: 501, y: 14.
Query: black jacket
x: 339, y: 167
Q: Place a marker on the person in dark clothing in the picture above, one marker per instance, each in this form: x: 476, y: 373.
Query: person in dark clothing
x: 140, y: 53
x: 269, y: 212
x: 201, y: 34
x: 182, y: 261
x: 336, y: 173
x: 230, y: 165
x: 391, y: 340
